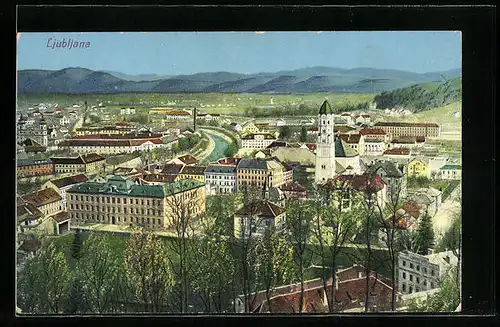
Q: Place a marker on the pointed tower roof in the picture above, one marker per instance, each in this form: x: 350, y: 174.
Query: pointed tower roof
x: 325, y: 108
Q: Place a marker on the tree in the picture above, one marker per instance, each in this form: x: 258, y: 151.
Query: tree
x: 76, y: 246
x: 44, y: 281
x: 183, y: 212
x: 148, y: 270
x: 76, y: 302
x: 333, y: 227
x: 425, y: 234
x: 298, y: 224
x: 97, y: 270
x: 274, y: 260
x: 285, y: 132
x: 303, y: 134
x: 446, y: 299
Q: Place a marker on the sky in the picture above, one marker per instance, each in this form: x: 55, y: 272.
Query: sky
x: 175, y: 53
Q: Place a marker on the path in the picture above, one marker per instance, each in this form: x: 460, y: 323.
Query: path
x: 447, y: 213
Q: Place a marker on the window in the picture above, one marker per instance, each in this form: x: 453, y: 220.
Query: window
x: 418, y: 280
x: 404, y: 275
x: 411, y: 289
x: 411, y: 265
x: 432, y: 284
x: 425, y: 270
x: 418, y: 268
x: 411, y: 277
x: 425, y: 282
x: 432, y: 272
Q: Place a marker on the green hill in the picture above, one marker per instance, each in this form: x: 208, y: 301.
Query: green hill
x: 421, y: 97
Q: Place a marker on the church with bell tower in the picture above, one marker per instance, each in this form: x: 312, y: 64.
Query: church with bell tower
x: 325, y: 148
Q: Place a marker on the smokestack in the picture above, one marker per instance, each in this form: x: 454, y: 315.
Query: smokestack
x: 194, y: 119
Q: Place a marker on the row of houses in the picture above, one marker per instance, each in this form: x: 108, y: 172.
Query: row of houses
x: 84, y: 163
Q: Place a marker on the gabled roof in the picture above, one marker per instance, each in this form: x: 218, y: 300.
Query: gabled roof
x: 159, y: 177
x: 27, y: 210
x: 372, y: 131
x: 252, y: 163
x: 193, y: 170
x: 70, y: 180
x: 351, y: 138
x: 263, y: 209
x: 81, y: 159
x: 42, y: 197
x: 293, y: 187
x: 188, y: 159
x: 390, y: 168
x: 172, y: 169
x: 343, y: 150
x: 61, y: 216
x: 451, y: 167
x: 325, y: 108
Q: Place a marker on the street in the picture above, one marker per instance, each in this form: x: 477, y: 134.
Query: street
x: 447, y: 212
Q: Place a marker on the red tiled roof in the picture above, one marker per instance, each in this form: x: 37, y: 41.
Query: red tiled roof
x: 397, y: 152
x: 362, y: 183
x: 61, y: 216
x: 172, y: 169
x: 229, y: 161
x: 42, y: 197
x: 401, y: 124
x: 412, y: 209
x: 188, y: 159
x: 311, y: 146
x: 372, y: 131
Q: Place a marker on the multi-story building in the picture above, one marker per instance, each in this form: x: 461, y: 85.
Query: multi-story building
x: 374, y: 134
x: 450, y: 171
x: 119, y: 201
x: 111, y: 144
x: 255, y: 219
x: 34, y: 167
x: 418, y: 273
x: 394, y: 176
x: 257, y: 141
x: 398, y: 154
x: 48, y: 201
x: 127, y: 111
x: 221, y: 179
x: 419, y: 167
x: 193, y: 172
x: 293, y: 190
x: 396, y: 129
x: 257, y: 172
x: 374, y: 147
x: 249, y: 128
x: 33, y: 128
x: 109, y: 130
x: 171, y: 114
x: 83, y: 163
x: 407, y: 142
x: 61, y: 185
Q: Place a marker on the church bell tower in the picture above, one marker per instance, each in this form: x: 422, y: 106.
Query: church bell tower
x: 325, y: 145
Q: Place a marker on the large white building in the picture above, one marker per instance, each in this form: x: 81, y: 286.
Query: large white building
x: 257, y: 141
x: 325, y: 150
x: 220, y: 179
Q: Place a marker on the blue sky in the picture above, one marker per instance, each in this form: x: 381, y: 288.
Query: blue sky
x: 173, y: 53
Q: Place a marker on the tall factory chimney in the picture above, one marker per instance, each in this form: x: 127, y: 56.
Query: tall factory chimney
x: 194, y: 119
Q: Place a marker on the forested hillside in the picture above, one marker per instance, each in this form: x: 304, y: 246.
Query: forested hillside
x: 421, y: 97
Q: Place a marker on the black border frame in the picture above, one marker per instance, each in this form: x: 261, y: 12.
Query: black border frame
x: 478, y: 27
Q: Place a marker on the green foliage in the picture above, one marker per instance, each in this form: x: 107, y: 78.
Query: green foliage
x: 285, y: 132
x: 188, y: 142
x: 425, y: 235
x: 303, y: 134
x: 451, y: 239
x: 420, y: 97
x: 418, y: 182
x: 141, y: 118
x: 76, y: 302
x: 231, y: 150
x: 77, y: 245
x: 94, y: 119
x: 221, y: 209
x: 97, y: 270
x: 446, y: 299
x: 148, y: 270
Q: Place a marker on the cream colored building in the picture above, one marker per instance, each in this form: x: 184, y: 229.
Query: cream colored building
x: 119, y: 201
x: 84, y: 163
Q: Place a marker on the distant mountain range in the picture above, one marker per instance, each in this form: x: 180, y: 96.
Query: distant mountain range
x: 306, y: 80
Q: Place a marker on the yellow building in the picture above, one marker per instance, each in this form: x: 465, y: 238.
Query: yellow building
x: 114, y: 130
x: 256, y: 172
x: 249, y: 128
x: 84, y: 163
x: 419, y: 167
x: 193, y: 172
x: 119, y: 201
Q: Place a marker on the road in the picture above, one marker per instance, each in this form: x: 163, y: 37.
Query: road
x: 447, y: 212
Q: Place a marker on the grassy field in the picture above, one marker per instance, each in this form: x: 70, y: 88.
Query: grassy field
x: 221, y: 103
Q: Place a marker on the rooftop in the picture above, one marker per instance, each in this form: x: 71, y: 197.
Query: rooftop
x: 325, y: 109
x: 81, y: 159
x: 264, y: 209
x: 70, y: 180
x: 404, y: 124
x: 42, y: 197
